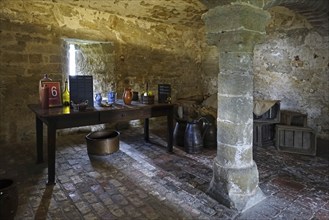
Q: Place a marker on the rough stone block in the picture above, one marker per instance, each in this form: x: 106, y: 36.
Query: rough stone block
x: 35, y: 58
x: 234, y: 156
x: 53, y: 68
x: 237, y: 62
x: 236, y: 40
x: 235, y: 17
x: 237, y: 109
x: 234, y: 134
x: 11, y: 70
x: 236, y: 188
x: 235, y: 84
x: 44, y: 48
x: 14, y: 58
x: 55, y: 59
x: 243, y: 180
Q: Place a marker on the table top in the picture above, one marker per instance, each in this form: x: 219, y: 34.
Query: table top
x: 118, y: 106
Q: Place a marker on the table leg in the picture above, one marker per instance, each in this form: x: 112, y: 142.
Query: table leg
x: 51, y: 153
x: 170, y: 125
x: 39, y: 139
x: 146, y: 129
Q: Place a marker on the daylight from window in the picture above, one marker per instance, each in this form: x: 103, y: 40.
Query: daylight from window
x: 72, y: 60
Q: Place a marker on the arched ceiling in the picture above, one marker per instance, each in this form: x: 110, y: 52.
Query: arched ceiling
x: 316, y: 12
x: 189, y: 12
x: 183, y: 12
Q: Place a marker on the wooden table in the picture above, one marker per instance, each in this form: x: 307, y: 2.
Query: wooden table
x: 61, y: 117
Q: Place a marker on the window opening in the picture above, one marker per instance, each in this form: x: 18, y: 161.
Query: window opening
x: 72, y: 65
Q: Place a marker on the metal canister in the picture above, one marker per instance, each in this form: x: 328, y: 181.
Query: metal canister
x: 179, y: 132
x: 193, y: 140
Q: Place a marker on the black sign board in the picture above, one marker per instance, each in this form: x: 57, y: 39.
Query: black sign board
x: 164, y: 93
x: 81, y: 89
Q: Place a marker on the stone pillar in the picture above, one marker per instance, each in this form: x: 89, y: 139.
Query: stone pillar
x: 235, y: 29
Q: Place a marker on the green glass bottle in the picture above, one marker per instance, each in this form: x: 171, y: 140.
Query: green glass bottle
x: 66, y: 95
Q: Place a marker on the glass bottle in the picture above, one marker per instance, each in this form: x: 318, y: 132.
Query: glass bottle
x: 45, y: 97
x: 44, y: 79
x: 66, y: 95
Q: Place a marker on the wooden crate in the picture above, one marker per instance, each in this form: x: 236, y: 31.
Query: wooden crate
x: 264, y: 134
x: 293, y: 139
x: 272, y: 115
x: 293, y: 118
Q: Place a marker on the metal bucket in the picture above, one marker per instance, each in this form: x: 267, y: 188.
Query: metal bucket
x: 102, y: 142
x: 8, y: 199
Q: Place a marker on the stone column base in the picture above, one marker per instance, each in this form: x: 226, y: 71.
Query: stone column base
x: 235, y: 187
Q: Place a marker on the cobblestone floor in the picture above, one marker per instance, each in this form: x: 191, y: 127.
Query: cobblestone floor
x: 142, y: 181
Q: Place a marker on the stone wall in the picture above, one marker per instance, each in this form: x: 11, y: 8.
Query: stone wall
x: 27, y: 52
x: 302, y: 84
x: 292, y: 65
x: 31, y: 45
x: 96, y: 58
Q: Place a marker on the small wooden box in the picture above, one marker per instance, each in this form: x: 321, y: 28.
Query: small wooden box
x: 264, y: 134
x: 147, y: 99
x: 293, y: 139
x: 293, y: 118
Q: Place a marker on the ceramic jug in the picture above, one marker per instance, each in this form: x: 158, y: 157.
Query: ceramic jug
x: 127, y: 96
x: 98, y: 99
x: 111, y: 96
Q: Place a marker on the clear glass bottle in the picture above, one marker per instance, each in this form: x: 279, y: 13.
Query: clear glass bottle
x: 66, y: 95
